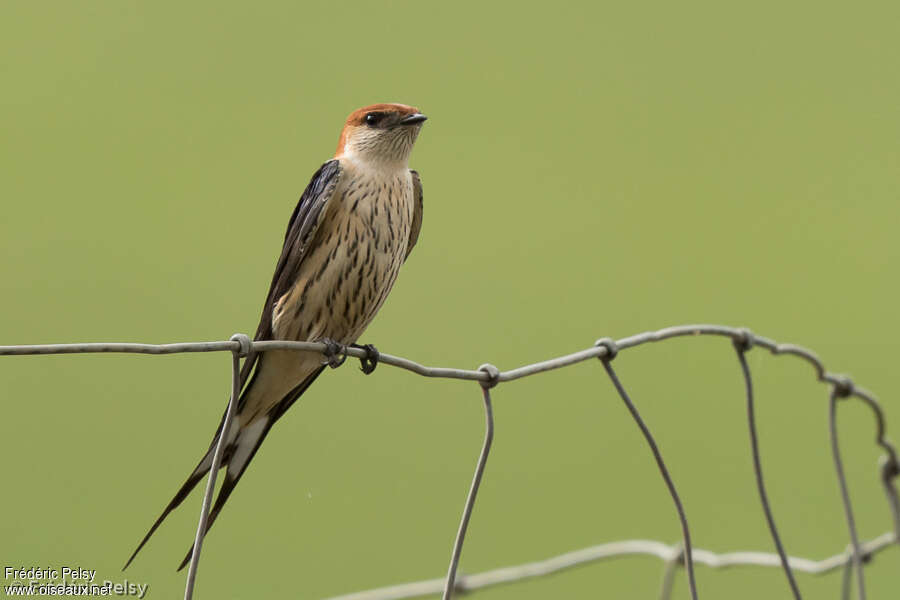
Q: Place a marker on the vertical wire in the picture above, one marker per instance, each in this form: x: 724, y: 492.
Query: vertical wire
x: 846, y: 580
x: 685, y: 531
x: 213, y: 471
x: 671, y: 567
x: 845, y: 494
x: 473, y: 492
x: 740, y: 348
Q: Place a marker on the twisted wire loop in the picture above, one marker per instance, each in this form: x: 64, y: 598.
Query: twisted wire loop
x: 612, y: 351
x: 606, y: 349
x: 742, y: 345
x: 889, y: 472
x: 243, y: 349
x: 245, y: 344
x: 493, y: 378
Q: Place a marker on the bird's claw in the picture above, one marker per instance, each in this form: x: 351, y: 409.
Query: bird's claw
x: 368, y: 362
x: 335, y: 354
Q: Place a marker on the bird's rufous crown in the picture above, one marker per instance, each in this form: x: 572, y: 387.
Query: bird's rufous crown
x: 358, y: 116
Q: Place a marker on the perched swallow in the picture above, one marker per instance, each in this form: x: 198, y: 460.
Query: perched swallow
x: 354, y: 225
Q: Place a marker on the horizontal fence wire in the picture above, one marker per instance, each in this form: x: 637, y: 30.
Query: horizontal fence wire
x: 852, y: 560
x: 670, y: 554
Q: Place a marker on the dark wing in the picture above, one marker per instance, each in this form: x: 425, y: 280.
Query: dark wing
x: 417, y: 213
x: 300, y: 231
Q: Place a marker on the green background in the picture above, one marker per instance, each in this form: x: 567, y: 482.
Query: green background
x: 589, y: 170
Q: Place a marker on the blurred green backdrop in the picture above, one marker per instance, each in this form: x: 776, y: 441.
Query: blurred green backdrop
x: 590, y: 169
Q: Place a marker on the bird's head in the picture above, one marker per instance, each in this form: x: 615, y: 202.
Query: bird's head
x: 380, y: 133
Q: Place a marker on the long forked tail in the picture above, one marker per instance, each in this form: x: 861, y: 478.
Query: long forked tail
x: 240, y: 453
x: 242, y: 443
x: 196, y: 475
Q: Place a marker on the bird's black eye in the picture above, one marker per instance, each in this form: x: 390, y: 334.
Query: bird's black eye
x: 373, y: 118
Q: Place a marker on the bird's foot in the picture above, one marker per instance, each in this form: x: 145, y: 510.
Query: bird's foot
x: 335, y: 354
x: 368, y: 362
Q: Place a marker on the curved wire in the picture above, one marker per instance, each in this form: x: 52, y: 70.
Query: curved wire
x: 757, y: 470
x: 685, y: 530
x: 450, y: 584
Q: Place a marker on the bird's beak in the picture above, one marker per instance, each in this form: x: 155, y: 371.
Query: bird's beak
x: 413, y: 119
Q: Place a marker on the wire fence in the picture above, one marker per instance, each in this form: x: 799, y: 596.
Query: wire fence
x: 852, y: 561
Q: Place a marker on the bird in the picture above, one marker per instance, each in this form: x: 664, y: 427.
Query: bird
x: 354, y: 226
